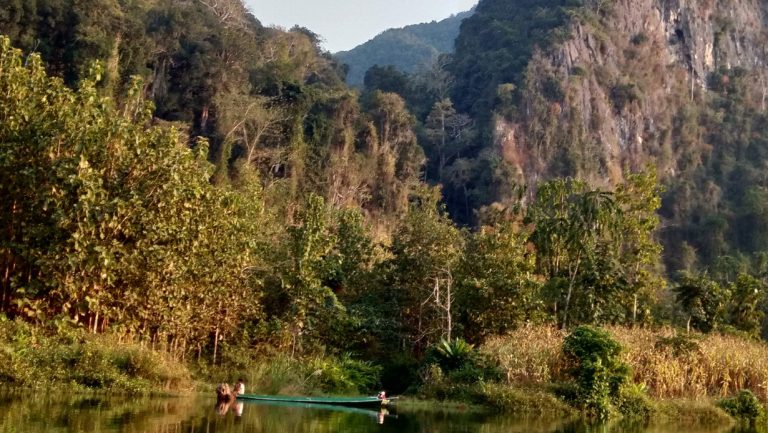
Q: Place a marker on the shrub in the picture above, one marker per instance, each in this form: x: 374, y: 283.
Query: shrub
x: 624, y: 94
x: 453, y: 354
x: 744, y: 406
x: 639, y: 39
x: 679, y: 345
x: 345, y: 375
x: 460, y: 362
x: 579, y: 71
x: 634, y: 403
x: 31, y: 358
x: 597, y: 369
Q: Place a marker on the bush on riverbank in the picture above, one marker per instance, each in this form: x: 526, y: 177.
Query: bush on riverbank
x: 32, y: 358
x: 599, y: 374
x: 281, y: 374
x: 744, y: 406
x: 497, y: 396
x: 667, y: 366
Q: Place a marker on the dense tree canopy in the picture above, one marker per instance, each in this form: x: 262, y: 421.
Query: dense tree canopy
x: 175, y: 173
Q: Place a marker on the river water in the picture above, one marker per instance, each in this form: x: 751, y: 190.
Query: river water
x: 76, y: 414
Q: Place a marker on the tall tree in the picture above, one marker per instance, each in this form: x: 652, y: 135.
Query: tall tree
x: 425, y: 252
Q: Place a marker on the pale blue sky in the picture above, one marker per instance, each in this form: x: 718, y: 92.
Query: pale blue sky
x: 344, y: 24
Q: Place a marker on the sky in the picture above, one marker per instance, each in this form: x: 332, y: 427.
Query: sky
x: 345, y: 24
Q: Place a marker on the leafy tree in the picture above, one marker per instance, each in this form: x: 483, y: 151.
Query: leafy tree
x: 497, y: 286
x: 398, y: 156
x: 596, y: 247
x: 113, y: 223
x: 447, y: 133
x: 747, y: 294
x: 703, y: 300
x: 311, y: 302
x: 574, y: 227
x: 386, y: 79
x: 425, y: 251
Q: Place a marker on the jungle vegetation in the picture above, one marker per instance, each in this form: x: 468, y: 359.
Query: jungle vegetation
x: 177, y: 175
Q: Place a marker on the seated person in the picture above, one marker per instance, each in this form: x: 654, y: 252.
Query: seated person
x: 240, y: 387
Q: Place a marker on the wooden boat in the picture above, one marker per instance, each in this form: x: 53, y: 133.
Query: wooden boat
x: 338, y: 401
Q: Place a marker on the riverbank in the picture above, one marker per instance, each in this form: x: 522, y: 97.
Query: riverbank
x: 670, y: 376
x: 674, y: 377
x: 664, y: 363
x: 35, y: 358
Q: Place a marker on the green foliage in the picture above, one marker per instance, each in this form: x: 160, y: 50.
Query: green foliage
x: 624, y: 94
x: 639, y: 39
x: 596, y: 248
x: 634, y: 403
x: 34, y: 359
x: 385, y: 79
x: 597, y: 369
x: 345, y: 375
x: 420, y: 275
x: 406, y: 49
x: 499, y: 397
x: 240, y: 199
x: 453, y: 354
x: 704, y: 301
x: 744, y: 406
x: 498, y: 289
x: 109, y: 219
x: 680, y: 345
x: 497, y: 43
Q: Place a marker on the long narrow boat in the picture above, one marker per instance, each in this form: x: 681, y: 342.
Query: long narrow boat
x: 339, y: 401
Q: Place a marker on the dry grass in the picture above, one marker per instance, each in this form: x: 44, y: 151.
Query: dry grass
x: 720, y: 366
x: 529, y: 355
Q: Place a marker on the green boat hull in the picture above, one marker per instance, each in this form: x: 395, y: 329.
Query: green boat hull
x: 338, y: 401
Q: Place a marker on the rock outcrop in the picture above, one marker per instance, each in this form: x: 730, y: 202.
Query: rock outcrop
x: 627, y: 75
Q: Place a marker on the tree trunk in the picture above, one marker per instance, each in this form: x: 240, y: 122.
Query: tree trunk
x: 634, y: 311
x: 448, y: 301
x: 215, y: 345
x: 96, y: 324
x: 442, y: 146
x: 6, y: 299
x: 568, y: 296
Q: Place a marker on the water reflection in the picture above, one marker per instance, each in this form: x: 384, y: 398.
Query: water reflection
x: 191, y: 415
x: 238, y: 407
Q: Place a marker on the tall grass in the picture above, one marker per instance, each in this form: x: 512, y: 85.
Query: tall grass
x: 30, y: 358
x: 281, y: 374
x: 708, y: 366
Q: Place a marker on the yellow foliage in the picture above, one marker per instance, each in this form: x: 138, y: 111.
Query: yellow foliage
x: 721, y: 365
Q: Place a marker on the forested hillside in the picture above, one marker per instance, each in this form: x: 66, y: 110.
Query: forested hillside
x: 176, y: 175
x: 407, y: 49
x: 589, y: 90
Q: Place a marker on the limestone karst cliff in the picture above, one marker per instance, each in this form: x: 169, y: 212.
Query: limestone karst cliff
x: 594, y: 88
x: 625, y: 75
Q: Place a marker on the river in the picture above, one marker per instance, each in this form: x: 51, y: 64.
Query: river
x: 76, y: 414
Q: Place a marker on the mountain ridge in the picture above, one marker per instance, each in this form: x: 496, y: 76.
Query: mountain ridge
x: 407, y: 48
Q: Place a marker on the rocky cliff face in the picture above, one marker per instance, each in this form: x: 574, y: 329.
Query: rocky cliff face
x: 626, y: 80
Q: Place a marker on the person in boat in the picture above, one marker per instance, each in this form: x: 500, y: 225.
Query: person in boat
x: 382, y: 395
x: 223, y: 393
x: 240, y: 387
